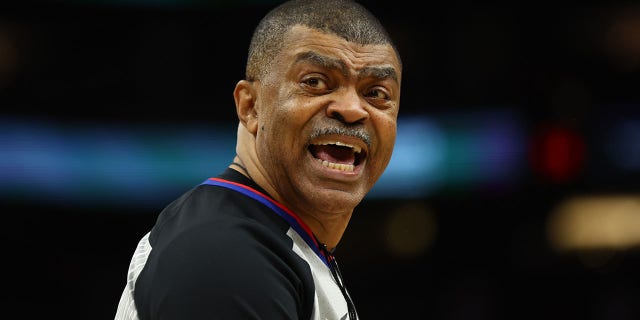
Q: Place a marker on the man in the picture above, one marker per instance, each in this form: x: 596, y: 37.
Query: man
x: 317, y: 125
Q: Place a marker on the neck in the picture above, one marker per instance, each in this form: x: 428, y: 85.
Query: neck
x: 327, y: 231
x: 240, y: 167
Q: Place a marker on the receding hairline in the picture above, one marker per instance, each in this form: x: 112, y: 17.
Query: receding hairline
x: 346, y: 19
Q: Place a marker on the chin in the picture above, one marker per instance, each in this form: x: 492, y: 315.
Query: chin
x: 337, y: 200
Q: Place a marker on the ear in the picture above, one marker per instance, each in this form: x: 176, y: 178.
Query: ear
x: 245, y: 98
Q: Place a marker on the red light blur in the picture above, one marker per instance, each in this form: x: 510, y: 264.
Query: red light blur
x: 558, y: 153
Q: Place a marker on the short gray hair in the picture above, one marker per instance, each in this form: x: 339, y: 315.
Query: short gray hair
x: 344, y: 18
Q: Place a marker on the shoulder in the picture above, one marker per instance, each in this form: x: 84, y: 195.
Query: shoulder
x: 214, y: 253
x: 213, y: 224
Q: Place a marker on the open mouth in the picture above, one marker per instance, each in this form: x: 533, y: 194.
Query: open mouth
x: 338, y: 155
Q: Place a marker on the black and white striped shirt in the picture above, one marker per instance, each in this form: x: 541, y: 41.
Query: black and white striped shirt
x: 226, y: 250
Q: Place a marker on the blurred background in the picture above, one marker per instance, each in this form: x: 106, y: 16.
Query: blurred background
x: 513, y: 192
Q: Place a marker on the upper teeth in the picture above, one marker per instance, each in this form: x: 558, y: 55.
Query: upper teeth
x: 356, y: 149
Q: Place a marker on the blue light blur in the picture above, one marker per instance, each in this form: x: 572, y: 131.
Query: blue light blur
x: 482, y: 150
x: 126, y: 165
x: 623, y: 145
x: 108, y: 164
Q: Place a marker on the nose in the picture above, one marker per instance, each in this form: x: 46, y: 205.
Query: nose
x: 348, y: 108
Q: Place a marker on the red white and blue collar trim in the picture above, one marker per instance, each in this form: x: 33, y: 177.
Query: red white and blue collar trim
x: 294, y: 221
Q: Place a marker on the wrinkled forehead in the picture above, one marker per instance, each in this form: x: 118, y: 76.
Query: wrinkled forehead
x: 302, y: 39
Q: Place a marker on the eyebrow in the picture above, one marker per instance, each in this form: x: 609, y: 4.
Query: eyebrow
x: 379, y: 72
x: 332, y: 63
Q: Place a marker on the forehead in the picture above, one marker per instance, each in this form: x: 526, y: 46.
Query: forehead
x: 301, y: 39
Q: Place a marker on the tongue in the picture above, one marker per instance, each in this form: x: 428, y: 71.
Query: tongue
x: 333, y: 153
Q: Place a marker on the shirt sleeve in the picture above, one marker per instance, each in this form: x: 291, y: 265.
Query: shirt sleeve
x: 231, y: 271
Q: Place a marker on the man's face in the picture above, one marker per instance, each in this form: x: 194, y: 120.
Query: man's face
x: 327, y: 115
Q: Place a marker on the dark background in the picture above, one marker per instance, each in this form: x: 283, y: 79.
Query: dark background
x: 565, y: 65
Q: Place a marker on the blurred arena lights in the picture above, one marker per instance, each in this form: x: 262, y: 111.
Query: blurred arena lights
x: 481, y: 150
x: 557, y: 152
x: 621, y: 40
x: 415, y: 166
x: 623, y: 144
x: 410, y: 230
x: 135, y: 165
x: 597, y: 222
x: 107, y: 164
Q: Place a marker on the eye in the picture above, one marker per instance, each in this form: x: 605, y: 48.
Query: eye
x: 377, y: 93
x: 315, y: 83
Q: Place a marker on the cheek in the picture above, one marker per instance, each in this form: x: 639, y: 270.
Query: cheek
x: 288, y: 122
x: 279, y: 135
x: 387, y: 127
x: 387, y: 135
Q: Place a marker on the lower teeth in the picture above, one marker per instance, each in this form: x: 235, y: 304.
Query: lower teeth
x: 338, y: 166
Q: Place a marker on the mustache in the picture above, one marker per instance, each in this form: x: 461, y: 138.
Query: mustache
x: 357, y: 132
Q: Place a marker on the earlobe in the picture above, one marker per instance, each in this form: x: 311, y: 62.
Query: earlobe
x: 245, y: 98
